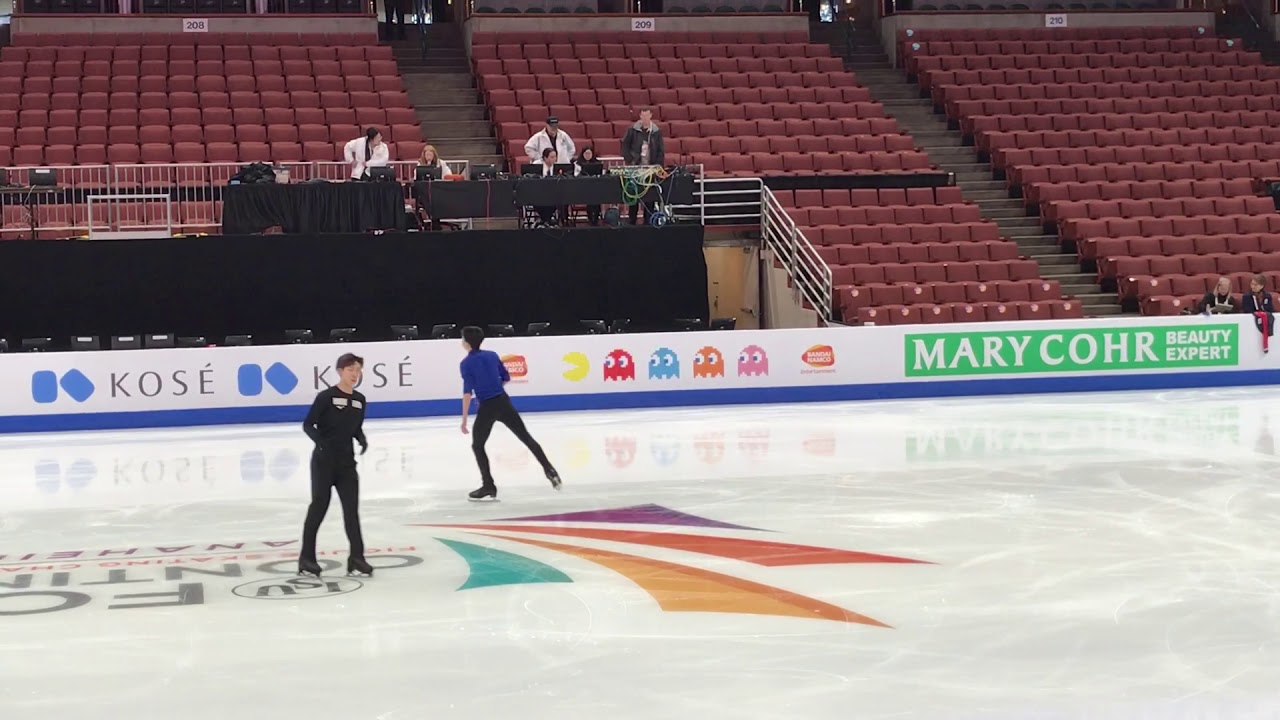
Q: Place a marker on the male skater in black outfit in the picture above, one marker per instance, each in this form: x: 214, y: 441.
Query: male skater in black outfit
x: 335, y: 420
x: 484, y: 375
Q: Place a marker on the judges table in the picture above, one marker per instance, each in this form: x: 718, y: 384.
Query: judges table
x: 340, y: 207
x: 504, y: 197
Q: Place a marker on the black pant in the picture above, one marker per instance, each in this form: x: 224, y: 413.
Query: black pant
x: 549, y: 214
x: 593, y: 214
x: 635, y: 209
x: 394, y: 8
x: 500, y: 410
x: 329, y: 473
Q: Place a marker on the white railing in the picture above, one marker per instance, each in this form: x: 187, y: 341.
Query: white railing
x: 810, y: 274
x: 134, y: 216
x: 193, y: 189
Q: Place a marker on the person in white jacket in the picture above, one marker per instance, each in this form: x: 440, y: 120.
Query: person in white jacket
x: 551, y: 137
x: 367, y: 151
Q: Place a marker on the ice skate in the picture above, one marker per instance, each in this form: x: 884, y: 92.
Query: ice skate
x: 554, y: 477
x: 358, y: 567
x: 484, y: 493
x: 309, y: 567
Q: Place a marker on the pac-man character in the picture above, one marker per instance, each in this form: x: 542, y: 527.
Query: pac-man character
x: 578, y: 367
x: 708, y: 363
x: 665, y: 451
x: 620, y: 451
x: 664, y: 365
x: 618, y: 365
x: 753, y: 362
x: 754, y: 443
x: 709, y: 447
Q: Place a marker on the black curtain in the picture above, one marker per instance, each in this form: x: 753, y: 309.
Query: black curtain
x: 220, y: 285
x: 313, y: 207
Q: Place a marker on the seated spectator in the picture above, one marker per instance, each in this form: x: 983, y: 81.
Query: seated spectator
x: 367, y: 151
x: 547, y: 213
x: 588, y: 164
x: 1258, y: 303
x: 550, y: 137
x: 1219, y: 301
x: 1258, y: 299
x: 430, y: 158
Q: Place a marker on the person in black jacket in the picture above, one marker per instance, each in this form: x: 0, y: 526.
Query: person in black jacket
x: 336, y: 419
x: 643, y: 145
x: 588, y: 164
x: 1258, y: 303
x: 1219, y: 301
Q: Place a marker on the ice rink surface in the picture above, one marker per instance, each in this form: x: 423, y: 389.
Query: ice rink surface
x: 1100, y: 556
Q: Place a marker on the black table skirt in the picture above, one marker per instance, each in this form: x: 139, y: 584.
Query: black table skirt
x: 457, y: 199
x: 504, y: 197
x: 313, y: 207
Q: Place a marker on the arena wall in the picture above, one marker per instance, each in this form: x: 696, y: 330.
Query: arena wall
x: 228, y: 385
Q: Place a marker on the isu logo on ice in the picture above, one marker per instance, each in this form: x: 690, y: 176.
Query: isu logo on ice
x: 517, y: 367
x: 819, y: 358
x: 646, y: 530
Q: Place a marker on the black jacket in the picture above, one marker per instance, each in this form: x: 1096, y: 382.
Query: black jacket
x: 1251, y: 303
x: 635, y: 138
x: 1267, y: 323
x: 335, y: 419
x: 1211, y: 300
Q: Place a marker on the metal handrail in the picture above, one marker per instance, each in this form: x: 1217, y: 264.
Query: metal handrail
x: 809, y: 273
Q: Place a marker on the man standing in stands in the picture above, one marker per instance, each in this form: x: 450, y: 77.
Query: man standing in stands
x: 394, y: 9
x: 550, y: 137
x: 642, y: 145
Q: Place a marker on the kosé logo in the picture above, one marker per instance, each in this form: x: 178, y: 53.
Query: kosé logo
x: 46, y: 384
x: 250, y: 378
x: 820, y: 359
x: 517, y: 367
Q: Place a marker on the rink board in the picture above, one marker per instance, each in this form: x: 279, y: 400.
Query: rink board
x: 231, y: 385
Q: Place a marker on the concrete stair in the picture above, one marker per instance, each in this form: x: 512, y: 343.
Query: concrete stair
x: 916, y: 116
x: 443, y: 91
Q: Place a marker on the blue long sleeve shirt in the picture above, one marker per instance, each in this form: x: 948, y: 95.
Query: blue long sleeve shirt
x: 483, y: 374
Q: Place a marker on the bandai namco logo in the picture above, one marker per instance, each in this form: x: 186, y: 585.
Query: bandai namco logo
x: 820, y: 359
x: 517, y: 367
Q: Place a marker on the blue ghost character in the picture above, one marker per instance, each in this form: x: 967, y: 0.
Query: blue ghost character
x: 664, y: 365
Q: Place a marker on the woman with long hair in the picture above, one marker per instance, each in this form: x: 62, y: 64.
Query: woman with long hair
x: 588, y: 164
x: 431, y: 158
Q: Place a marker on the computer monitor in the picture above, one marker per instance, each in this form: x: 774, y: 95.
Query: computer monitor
x: 382, y: 174
x: 562, y: 169
x: 593, y: 169
x: 427, y: 172
x: 533, y: 169
x: 484, y: 172
x: 42, y: 177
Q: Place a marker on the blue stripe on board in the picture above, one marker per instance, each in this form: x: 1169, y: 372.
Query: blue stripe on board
x: 657, y: 399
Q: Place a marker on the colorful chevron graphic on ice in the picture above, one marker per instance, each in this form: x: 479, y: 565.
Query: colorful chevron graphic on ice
x: 675, y: 587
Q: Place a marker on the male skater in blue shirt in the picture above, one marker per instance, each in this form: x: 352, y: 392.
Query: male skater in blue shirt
x: 484, y: 376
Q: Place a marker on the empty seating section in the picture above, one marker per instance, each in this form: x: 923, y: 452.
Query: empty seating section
x: 737, y: 103
x: 166, y: 99
x: 1145, y: 148
x: 920, y: 255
